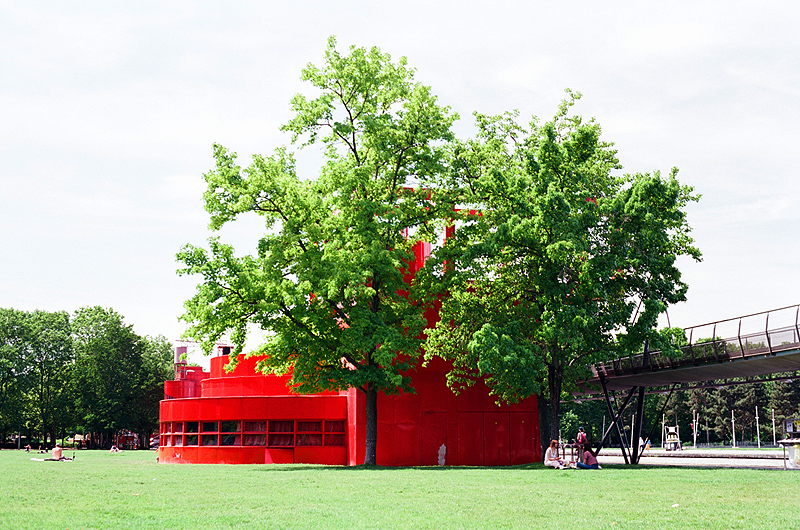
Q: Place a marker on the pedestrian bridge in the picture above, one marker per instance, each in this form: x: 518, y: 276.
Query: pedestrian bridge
x: 758, y: 347
x: 774, y: 348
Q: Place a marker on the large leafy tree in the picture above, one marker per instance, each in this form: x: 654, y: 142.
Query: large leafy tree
x: 156, y: 367
x: 36, y: 362
x: 565, y: 264
x: 51, y: 361
x: 784, y: 400
x: 327, y: 280
x: 108, y: 363
x: 15, y: 369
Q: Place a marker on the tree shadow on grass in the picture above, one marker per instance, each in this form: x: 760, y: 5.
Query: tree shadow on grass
x: 289, y: 468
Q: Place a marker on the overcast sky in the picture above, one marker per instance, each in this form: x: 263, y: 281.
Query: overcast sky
x: 108, y: 111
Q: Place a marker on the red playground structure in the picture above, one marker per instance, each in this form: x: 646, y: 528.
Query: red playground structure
x: 244, y: 417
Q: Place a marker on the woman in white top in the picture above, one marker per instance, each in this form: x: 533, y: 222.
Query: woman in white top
x: 551, y: 456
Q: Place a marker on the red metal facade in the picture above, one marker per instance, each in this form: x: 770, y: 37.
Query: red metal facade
x: 247, y: 418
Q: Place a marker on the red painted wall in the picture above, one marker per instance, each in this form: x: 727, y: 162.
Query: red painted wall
x: 430, y: 427
x: 412, y: 428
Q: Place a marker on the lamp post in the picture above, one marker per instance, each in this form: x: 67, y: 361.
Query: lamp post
x: 758, y: 431
x: 733, y: 429
x: 774, y: 440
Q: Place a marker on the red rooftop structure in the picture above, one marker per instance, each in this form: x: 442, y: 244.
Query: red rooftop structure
x: 244, y: 417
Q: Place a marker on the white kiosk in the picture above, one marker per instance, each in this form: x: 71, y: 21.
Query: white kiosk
x: 791, y: 444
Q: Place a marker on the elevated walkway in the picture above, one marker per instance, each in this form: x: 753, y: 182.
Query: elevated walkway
x: 745, y: 355
x: 758, y: 345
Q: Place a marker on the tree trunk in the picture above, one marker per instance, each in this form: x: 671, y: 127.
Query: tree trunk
x: 372, y: 425
x: 543, y: 405
x: 554, y: 377
x: 144, y: 439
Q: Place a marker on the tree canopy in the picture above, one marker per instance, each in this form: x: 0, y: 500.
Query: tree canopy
x: 557, y: 260
x: 35, y: 367
x: 327, y: 279
x: 89, y: 370
x: 566, y: 262
x: 118, y: 376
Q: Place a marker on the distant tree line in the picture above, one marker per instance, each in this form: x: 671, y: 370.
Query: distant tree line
x: 713, y: 407
x: 86, y: 373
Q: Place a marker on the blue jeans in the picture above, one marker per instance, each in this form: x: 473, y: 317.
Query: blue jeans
x: 581, y: 465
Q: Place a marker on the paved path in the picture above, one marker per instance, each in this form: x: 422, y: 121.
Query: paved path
x: 734, y: 458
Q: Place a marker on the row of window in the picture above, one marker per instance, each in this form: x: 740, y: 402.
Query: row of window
x: 282, y: 433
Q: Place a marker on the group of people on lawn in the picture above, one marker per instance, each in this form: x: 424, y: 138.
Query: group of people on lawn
x: 587, y: 459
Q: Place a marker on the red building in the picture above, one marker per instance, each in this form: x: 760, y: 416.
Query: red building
x: 247, y: 418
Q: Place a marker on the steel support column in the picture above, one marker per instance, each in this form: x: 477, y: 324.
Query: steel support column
x: 638, y: 422
x: 615, y: 419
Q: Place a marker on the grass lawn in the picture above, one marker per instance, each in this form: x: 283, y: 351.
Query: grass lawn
x: 129, y: 490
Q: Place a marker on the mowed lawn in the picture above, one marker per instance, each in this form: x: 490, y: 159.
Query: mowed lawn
x: 130, y: 490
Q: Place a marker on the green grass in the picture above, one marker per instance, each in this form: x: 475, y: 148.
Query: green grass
x: 129, y: 490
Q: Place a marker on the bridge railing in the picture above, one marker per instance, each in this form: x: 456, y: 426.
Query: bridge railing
x: 759, y: 334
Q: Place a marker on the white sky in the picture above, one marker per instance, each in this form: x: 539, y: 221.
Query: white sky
x: 108, y: 111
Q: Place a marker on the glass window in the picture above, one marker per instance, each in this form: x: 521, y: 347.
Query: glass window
x: 281, y: 440
x: 230, y: 439
x: 177, y: 426
x: 177, y: 441
x: 165, y: 440
x: 229, y: 426
x: 309, y: 426
x: 255, y: 426
x: 309, y: 439
x: 190, y: 439
x: 254, y: 439
x: 209, y: 439
x: 281, y: 426
x: 334, y: 426
x: 209, y: 426
x: 192, y: 426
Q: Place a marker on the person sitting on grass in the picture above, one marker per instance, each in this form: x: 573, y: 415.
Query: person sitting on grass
x: 551, y: 458
x: 58, y: 454
x: 589, y: 459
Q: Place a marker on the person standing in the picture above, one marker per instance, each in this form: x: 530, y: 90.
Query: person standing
x: 580, y: 440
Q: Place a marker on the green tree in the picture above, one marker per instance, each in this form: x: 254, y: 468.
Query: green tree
x: 35, y: 368
x: 15, y: 372
x: 698, y: 400
x: 784, y: 399
x: 108, y: 366
x: 50, y: 361
x: 156, y: 367
x: 741, y: 400
x: 327, y: 280
x: 567, y: 264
